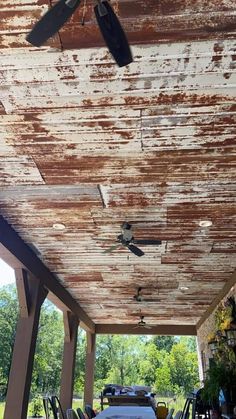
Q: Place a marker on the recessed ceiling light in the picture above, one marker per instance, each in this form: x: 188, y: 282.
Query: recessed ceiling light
x: 205, y: 223
x: 59, y: 226
x: 184, y: 288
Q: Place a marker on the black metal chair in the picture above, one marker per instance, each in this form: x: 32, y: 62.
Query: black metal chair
x: 49, y: 408
x: 89, y: 411
x: 80, y: 413
x: 71, y: 414
x: 202, y: 409
x: 57, y: 407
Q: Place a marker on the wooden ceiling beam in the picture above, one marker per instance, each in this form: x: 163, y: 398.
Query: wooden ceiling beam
x: 129, y: 329
x: 17, y: 254
x: 218, y: 299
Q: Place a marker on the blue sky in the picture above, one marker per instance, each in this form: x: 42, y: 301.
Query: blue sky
x: 6, y: 274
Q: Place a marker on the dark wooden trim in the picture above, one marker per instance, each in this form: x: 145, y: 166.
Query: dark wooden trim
x: 89, y: 368
x: 23, y: 292
x: 127, y: 329
x: 218, y: 299
x: 18, y: 254
x: 68, y: 365
x: 23, y: 354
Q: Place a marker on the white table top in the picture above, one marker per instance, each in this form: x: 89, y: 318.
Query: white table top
x: 127, y: 412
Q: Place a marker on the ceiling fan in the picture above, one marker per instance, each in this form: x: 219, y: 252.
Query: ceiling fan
x: 126, y: 239
x: 108, y: 23
x: 138, y: 297
x: 142, y: 324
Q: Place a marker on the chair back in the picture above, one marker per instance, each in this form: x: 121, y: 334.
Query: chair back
x: 80, y: 413
x: 50, y: 412
x: 178, y: 414
x: 57, y: 407
x: 71, y: 414
x: 89, y: 411
x: 170, y: 413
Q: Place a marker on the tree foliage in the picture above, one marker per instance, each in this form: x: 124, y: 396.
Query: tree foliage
x: 8, y: 319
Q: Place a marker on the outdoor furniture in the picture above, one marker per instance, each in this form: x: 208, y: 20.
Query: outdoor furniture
x: 127, y: 412
x: 178, y: 414
x: 161, y: 410
x: 170, y: 413
x: 89, y: 411
x: 80, y: 413
x: 50, y: 412
x: 117, y: 395
x: 128, y: 400
x: 57, y: 407
x: 71, y: 414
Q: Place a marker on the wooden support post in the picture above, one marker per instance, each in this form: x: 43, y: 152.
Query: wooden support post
x: 31, y: 295
x: 71, y: 324
x: 89, y: 368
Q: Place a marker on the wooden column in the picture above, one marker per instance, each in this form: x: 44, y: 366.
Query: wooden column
x: 71, y: 324
x: 89, y: 368
x: 31, y: 295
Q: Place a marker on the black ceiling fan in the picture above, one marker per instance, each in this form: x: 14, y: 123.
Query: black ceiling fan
x: 110, y: 27
x: 138, y: 297
x: 142, y: 324
x: 126, y: 239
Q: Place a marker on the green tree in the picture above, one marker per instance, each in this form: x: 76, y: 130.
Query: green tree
x: 117, y: 360
x: 163, y: 384
x: 48, y: 353
x: 164, y: 342
x: 80, y: 363
x: 148, y: 363
x: 124, y: 355
x: 183, y: 368
x: 8, y: 321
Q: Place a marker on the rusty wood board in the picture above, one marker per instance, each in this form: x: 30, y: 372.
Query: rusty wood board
x: 90, y: 145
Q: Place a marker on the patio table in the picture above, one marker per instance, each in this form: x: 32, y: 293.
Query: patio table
x: 127, y: 412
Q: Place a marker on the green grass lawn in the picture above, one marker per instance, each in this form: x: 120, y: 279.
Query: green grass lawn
x: 2, y: 405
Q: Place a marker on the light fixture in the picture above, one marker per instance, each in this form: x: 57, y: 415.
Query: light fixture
x: 184, y: 288
x: 59, y: 226
x: 231, y: 337
x: 213, y: 345
x: 205, y: 223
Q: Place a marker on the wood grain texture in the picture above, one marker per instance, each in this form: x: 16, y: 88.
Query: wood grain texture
x: 90, y: 145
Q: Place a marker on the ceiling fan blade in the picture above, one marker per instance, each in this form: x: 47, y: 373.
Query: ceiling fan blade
x: 135, y: 250
x: 52, y: 21
x: 147, y: 327
x: 147, y: 242
x: 142, y: 326
x: 103, y: 239
x: 113, y: 34
x: 111, y: 248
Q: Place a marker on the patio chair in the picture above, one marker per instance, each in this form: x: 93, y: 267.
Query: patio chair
x: 57, y: 407
x: 71, y: 414
x: 170, y: 413
x: 89, y: 411
x: 50, y: 412
x: 178, y: 414
x: 80, y: 413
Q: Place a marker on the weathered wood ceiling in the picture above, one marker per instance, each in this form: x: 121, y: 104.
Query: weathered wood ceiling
x: 90, y: 145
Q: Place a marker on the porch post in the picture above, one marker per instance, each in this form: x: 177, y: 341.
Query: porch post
x: 71, y: 324
x: 31, y: 295
x: 89, y: 368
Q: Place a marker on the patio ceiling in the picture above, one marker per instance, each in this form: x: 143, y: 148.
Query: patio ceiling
x: 90, y: 145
